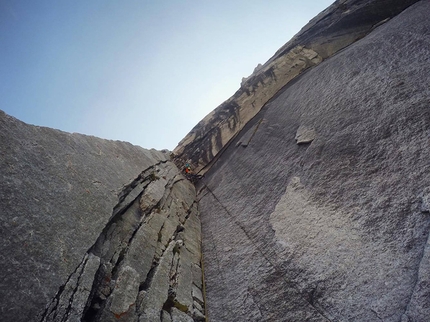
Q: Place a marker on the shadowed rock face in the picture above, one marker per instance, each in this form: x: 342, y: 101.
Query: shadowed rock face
x: 338, y: 26
x: 94, y: 230
x: 315, y: 204
x: 323, y: 214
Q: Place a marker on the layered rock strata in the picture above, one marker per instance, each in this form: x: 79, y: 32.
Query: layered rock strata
x: 318, y: 209
x: 335, y: 28
x: 95, y: 230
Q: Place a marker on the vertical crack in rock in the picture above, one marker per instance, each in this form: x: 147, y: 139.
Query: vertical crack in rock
x: 72, y: 295
x: 146, y: 263
x: 134, y: 252
x: 133, y: 191
x: 113, y: 245
x: 75, y: 289
x: 173, y: 280
x: 145, y: 285
x: 104, y: 280
x: 268, y: 260
x: 51, y: 313
x: 173, y: 245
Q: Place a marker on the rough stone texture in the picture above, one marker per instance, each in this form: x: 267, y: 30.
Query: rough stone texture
x: 305, y: 135
x: 335, y: 229
x: 85, y: 226
x: 338, y: 26
x: 315, y: 203
x: 145, y: 266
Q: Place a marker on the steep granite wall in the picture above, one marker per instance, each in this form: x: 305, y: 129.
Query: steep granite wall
x: 335, y: 28
x: 94, y: 230
x: 318, y: 210
x: 315, y: 199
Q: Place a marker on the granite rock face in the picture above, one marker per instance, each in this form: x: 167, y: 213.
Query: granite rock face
x: 314, y: 204
x: 318, y: 209
x: 335, y: 28
x: 94, y: 230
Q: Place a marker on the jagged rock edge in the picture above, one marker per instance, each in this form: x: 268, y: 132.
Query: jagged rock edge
x: 118, y: 210
x: 299, y: 40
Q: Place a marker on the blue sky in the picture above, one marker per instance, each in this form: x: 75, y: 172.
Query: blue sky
x: 139, y: 71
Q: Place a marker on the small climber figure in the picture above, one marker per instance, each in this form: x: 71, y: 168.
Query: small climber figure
x: 190, y: 175
x: 187, y: 168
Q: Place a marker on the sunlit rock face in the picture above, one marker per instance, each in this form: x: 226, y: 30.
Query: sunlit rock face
x: 335, y: 28
x: 318, y: 209
x: 94, y: 230
x: 314, y: 204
